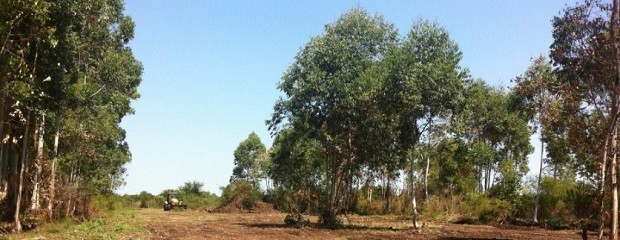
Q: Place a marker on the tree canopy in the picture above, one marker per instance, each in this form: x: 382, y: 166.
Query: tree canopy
x: 68, y: 62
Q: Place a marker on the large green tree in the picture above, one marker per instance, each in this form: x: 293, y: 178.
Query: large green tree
x: 67, y: 61
x: 366, y: 98
x: 248, y: 158
x: 423, y: 84
x: 532, y: 98
x: 492, y: 139
x: 295, y: 160
x: 326, y: 89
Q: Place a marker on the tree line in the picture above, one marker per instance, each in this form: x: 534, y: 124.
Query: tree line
x: 363, y: 105
x: 67, y: 77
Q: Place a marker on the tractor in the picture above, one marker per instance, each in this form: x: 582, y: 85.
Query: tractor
x: 172, y: 202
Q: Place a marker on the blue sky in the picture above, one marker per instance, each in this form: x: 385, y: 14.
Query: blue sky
x: 211, y: 69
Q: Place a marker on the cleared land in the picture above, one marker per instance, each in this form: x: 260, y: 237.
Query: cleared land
x: 189, y: 224
x: 205, y: 225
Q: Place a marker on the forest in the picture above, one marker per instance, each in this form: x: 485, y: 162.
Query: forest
x: 67, y: 79
x: 370, y: 122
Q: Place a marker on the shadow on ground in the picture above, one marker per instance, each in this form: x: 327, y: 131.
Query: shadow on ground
x: 468, y: 238
x: 315, y: 226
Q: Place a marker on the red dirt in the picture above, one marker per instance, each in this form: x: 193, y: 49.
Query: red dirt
x: 269, y: 226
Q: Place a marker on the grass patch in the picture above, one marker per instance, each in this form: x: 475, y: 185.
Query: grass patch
x: 116, y: 224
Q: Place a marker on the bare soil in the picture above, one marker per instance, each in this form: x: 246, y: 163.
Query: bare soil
x: 186, y: 224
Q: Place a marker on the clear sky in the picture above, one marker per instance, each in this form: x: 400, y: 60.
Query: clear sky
x: 211, y: 69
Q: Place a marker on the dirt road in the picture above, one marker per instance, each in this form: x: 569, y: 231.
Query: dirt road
x: 204, y: 225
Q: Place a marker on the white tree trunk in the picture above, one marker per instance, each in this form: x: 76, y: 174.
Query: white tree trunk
x: 38, y: 166
x: 414, y: 217
x: 537, y: 205
x: 601, y: 189
x: 614, y: 115
x: 52, y: 183
x: 614, y: 187
x: 428, y: 164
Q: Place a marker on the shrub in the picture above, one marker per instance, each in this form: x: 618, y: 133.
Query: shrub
x: 564, y: 201
x: 203, y: 200
x: 240, y: 190
x: 103, y: 204
x: 524, y: 205
x: 296, y: 220
x: 487, y: 209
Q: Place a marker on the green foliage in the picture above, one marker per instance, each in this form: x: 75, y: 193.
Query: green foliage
x: 566, y: 200
x: 205, y: 200
x: 364, y: 206
x: 523, y: 205
x: 145, y: 198
x: 562, y: 202
x: 356, y: 97
x: 294, y: 170
x: 240, y: 190
x: 486, y: 209
x: 67, y: 61
x: 249, y: 157
x: 192, y: 188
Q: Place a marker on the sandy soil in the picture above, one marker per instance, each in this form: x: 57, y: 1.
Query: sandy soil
x: 186, y: 224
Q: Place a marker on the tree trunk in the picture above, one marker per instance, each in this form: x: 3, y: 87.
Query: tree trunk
x: 428, y: 164
x: 614, y: 115
x: 487, y: 177
x: 614, y: 188
x: 3, y: 161
x: 328, y: 213
x: 370, y: 187
x: 601, y: 189
x: 414, y: 217
x: 38, y: 166
x: 20, y: 187
x: 388, y: 193
x: 52, y: 183
x: 480, y: 187
x: 542, y: 150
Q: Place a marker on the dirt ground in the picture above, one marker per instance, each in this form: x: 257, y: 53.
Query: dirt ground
x: 269, y: 226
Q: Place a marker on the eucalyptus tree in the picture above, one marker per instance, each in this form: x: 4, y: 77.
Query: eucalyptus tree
x: 532, y: 98
x: 586, y: 53
x: 423, y: 84
x: 70, y: 55
x: 296, y: 161
x: 248, y: 158
x: 495, y: 138
x: 324, y: 90
x: 99, y: 79
x: 26, y: 39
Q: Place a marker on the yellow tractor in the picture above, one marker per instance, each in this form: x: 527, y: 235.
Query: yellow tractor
x: 172, y: 201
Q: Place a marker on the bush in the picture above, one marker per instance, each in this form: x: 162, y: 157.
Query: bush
x: 524, y: 205
x: 472, y: 208
x: 240, y: 190
x: 296, y: 220
x: 487, y: 209
x: 279, y: 199
x: 565, y: 201
x: 205, y: 200
x: 365, y: 207
x: 103, y: 204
